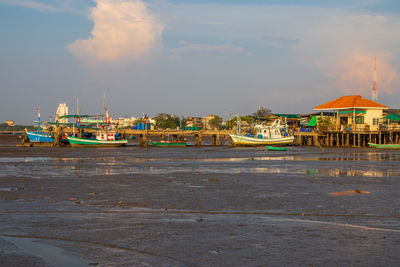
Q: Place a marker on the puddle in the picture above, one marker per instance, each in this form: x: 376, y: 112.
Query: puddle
x: 9, y: 189
x: 50, y: 254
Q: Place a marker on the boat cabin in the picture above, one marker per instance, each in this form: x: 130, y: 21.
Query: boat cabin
x: 106, y: 136
x: 269, y: 131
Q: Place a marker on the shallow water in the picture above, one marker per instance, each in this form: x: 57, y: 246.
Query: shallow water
x: 50, y: 254
x: 161, y: 161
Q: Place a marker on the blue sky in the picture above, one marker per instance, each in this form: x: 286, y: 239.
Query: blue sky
x: 194, y: 57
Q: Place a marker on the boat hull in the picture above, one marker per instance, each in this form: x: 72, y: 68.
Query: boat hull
x: 169, y: 144
x: 388, y: 146
x: 36, y: 137
x: 241, y: 140
x: 84, y: 142
x: 274, y: 148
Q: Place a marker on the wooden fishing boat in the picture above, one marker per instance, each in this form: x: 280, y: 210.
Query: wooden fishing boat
x: 265, y: 135
x: 168, y: 143
x: 39, y: 137
x: 391, y: 146
x: 274, y: 148
x: 103, y: 138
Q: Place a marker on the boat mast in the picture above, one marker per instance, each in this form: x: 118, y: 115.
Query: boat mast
x: 38, y: 112
x: 238, y: 125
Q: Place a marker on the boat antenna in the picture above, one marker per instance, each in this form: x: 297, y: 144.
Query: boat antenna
x: 107, y: 119
x: 77, y: 105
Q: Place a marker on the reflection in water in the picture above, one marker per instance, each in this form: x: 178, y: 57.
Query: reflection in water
x: 367, y: 164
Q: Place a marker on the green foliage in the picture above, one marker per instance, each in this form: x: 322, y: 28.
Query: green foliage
x: 166, y: 121
x: 262, y: 112
x: 140, y: 120
x: 216, y: 122
x: 6, y: 127
x: 324, y: 123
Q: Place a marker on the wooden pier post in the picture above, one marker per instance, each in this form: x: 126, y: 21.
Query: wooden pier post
x: 214, y: 140
x: 143, y: 140
x: 337, y: 139
x: 198, y: 139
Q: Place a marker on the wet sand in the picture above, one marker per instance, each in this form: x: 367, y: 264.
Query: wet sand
x: 198, y: 207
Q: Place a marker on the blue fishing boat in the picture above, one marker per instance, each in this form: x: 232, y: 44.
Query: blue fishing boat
x: 39, y: 137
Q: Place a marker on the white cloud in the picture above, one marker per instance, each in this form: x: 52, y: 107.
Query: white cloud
x: 123, y: 30
x: 344, y: 45
x: 354, y: 73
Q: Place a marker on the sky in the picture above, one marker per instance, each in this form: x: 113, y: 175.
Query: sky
x: 192, y: 57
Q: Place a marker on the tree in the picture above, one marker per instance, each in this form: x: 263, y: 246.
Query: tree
x: 232, y: 123
x: 324, y: 123
x: 261, y: 112
x: 165, y: 121
x: 216, y: 122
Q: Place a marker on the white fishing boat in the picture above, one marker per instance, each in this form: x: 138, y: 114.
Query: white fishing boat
x: 274, y: 134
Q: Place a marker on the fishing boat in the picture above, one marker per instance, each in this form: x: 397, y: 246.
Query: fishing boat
x: 39, y: 137
x: 264, y: 135
x: 103, y: 138
x: 391, y: 146
x: 168, y: 143
x: 274, y: 148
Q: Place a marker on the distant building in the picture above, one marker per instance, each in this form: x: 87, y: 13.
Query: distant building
x: 289, y: 119
x: 125, y: 122
x: 355, y: 112
x: 194, y: 121
x: 62, y: 110
x: 10, y: 123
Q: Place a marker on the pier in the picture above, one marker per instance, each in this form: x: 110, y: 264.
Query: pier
x: 217, y: 137
x: 347, y: 138
x: 221, y: 137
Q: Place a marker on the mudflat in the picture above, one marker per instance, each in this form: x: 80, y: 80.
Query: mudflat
x: 207, y: 206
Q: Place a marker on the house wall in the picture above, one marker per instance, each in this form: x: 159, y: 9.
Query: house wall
x: 370, y: 115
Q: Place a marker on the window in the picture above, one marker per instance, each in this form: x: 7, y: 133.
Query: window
x: 360, y: 119
x: 375, y: 121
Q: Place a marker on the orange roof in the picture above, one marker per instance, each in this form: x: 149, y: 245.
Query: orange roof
x: 351, y: 101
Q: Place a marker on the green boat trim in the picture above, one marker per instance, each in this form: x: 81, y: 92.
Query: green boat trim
x: 85, y: 142
x: 274, y: 148
x: 171, y: 144
x: 384, y: 145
